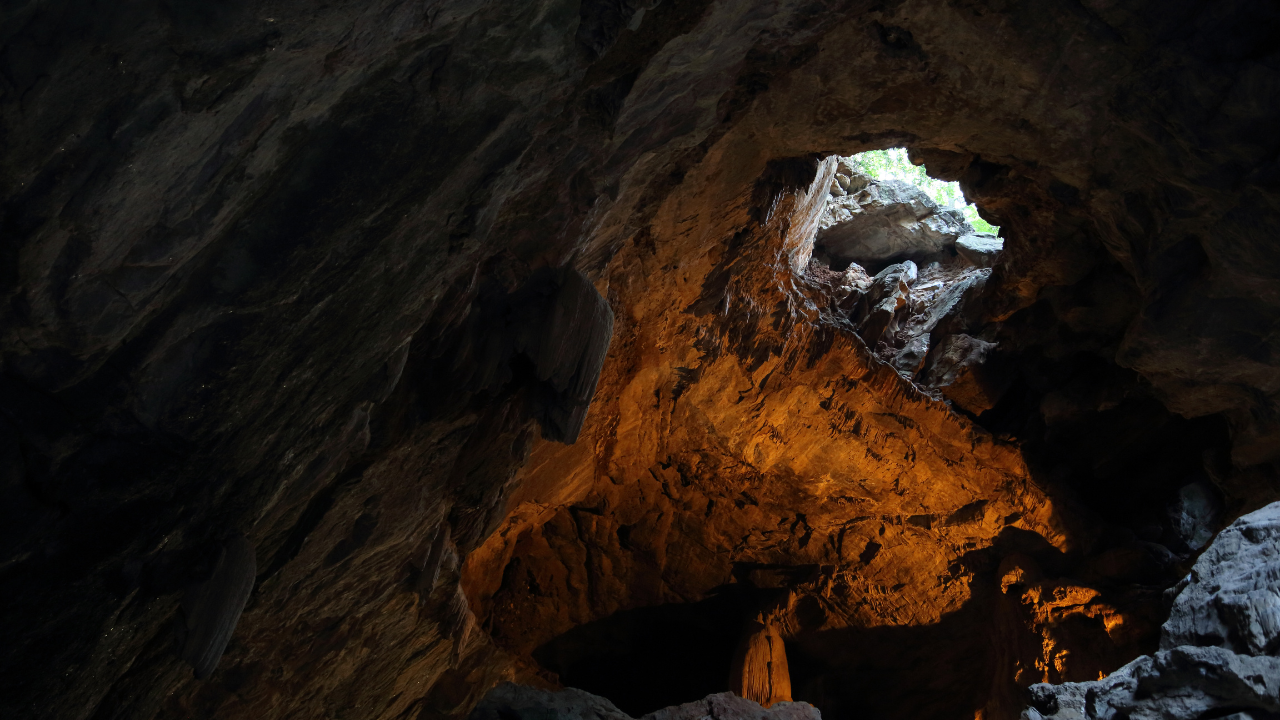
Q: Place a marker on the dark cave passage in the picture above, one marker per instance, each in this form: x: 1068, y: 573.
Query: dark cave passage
x: 652, y: 657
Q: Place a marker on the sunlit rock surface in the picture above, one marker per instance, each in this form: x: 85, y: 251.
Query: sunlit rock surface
x: 981, y: 250
x: 266, y: 271
x: 886, y: 220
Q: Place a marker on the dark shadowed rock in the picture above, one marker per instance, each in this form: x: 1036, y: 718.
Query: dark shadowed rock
x: 730, y: 706
x: 212, y: 608
x: 510, y: 701
x: 520, y: 702
x: 326, y: 273
x: 1219, y: 648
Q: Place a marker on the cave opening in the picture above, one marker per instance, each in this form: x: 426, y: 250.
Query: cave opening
x: 884, y: 207
x: 911, y: 262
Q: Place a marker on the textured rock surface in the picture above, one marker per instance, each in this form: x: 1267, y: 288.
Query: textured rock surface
x: 1218, y: 650
x: 886, y: 220
x: 756, y: 443
x: 760, y: 672
x: 518, y: 702
x: 245, y: 247
x: 212, y: 608
x: 981, y: 250
x: 1231, y: 599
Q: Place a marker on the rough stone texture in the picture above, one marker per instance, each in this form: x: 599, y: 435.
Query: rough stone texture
x: 1231, y: 599
x: 728, y: 705
x: 980, y: 250
x: 886, y: 220
x: 243, y: 244
x: 509, y: 701
x: 760, y: 672
x: 755, y: 442
x: 917, y: 320
x: 1219, y: 647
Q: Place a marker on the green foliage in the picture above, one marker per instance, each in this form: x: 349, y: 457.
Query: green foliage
x: 893, y: 164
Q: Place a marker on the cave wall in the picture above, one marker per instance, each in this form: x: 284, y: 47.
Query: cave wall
x: 243, y: 246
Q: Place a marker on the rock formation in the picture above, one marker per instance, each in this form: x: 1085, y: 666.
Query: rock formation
x: 339, y: 280
x: 516, y: 702
x: 1218, y: 651
x: 760, y: 672
x: 871, y: 222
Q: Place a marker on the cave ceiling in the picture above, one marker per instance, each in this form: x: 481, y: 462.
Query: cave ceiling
x: 462, y: 342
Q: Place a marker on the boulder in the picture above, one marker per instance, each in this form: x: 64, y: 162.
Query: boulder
x: 1231, y: 599
x: 884, y: 220
x: 955, y: 367
x: 981, y: 249
x: 510, y: 701
x: 1218, y: 650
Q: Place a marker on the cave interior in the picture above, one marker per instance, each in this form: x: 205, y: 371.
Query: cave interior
x: 359, y: 358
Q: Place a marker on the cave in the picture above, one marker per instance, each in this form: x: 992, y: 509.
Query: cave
x: 518, y: 361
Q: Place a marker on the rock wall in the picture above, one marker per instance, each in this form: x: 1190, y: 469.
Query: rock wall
x: 253, y: 257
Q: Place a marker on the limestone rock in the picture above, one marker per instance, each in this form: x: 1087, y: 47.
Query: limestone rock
x: 559, y: 324
x: 760, y: 672
x: 981, y: 249
x: 731, y: 707
x: 1185, y: 683
x: 510, y: 701
x: 887, y: 220
x: 911, y: 357
x: 241, y: 243
x: 1231, y: 599
x: 955, y: 368
x: 886, y: 295
x: 1195, y: 513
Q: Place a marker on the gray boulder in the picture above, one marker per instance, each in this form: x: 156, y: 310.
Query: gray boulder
x: 885, y: 220
x: 509, y: 701
x: 727, y: 706
x: 1218, y: 650
x: 980, y: 249
x: 1231, y: 599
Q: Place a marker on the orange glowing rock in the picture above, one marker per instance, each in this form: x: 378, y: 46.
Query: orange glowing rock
x: 759, y: 669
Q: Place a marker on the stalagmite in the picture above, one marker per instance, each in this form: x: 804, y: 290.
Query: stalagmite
x: 759, y: 669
